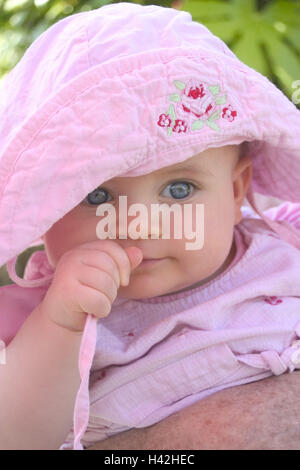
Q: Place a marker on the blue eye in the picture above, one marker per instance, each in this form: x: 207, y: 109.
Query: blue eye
x: 175, y: 190
x: 96, y: 197
x: 179, y: 189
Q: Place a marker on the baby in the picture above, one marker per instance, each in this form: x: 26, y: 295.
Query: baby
x: 121, y: 331
x: 217, y: 178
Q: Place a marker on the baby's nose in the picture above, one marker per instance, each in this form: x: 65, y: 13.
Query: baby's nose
x: 138, y: 224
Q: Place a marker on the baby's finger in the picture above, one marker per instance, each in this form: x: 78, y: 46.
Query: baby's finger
x: 92, y: 301
x: 135, y: 256
x: 99, y: 280
x: 102, y: 261
x: 119, y: 254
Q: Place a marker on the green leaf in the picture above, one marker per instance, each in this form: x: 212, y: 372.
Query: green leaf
x: 180, y: 85
x: 207, y: 9
x: 214, y: 89
x: 243, y: 9
x: 221, y: 99
x: 171, y: 112
x: 174, y: 97
x: 286, y: 12
x: 197, y: 125
x: 226, y: 30
x: 214, y: 116
x: 293, y: 35
x: 248, y: 50
x: 284, y: 62
x: 213, y: 125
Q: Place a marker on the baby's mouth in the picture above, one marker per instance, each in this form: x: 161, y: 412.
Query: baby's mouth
x: 147, y: 262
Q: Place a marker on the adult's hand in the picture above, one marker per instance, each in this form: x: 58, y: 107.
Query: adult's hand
x: 262, y: 415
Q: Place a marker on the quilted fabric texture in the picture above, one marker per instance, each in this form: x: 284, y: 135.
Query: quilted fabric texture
x: 124, y: 90
x: 83, y: 106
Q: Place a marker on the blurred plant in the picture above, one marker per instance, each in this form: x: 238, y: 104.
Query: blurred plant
x: 22, y: 21
x: 264, y: 34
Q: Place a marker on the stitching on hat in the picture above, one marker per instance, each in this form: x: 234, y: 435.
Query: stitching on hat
x: 197, y: 104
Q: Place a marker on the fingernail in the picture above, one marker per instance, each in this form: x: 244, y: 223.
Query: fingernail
x: 125, y: 281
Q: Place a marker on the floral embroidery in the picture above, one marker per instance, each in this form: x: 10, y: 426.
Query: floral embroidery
x: 179, y: 126
x: 197, y: 105
x: 229, y: 113
x: 164, y: 120
x: 273, y: 300
x: 128, y: 333
x: 182, y: 333
x: 102, y: 375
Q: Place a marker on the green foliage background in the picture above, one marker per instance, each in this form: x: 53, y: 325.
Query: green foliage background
x: 264, y: 34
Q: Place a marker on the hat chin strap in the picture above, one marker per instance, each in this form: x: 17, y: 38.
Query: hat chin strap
x: 85, y: 359
x: 286, y: 231
x: 11, y: 269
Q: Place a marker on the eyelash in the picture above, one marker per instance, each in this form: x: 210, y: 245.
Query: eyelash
x: 169, y: 184
x: 182, y: 181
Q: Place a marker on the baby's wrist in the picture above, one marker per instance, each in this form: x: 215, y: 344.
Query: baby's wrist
x: 74, y: 327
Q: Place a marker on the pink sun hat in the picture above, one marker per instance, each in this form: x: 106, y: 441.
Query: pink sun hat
x: 124, y: 90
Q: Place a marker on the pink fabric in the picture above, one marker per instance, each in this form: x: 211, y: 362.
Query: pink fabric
x: 58, y: 144
x: 124, y: 90
x: 156, y: 356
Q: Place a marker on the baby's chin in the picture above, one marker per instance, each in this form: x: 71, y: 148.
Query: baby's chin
x: 142, y: 290
x: 163, y: 281
x: 134, y: 291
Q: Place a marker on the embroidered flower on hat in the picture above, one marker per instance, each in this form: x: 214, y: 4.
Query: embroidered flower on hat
x: 273, y: 300
x: 198, y: 104
x: 229, y: 113
x: 197, y: 100
x: 179, y: 126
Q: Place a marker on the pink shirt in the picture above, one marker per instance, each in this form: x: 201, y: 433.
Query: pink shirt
x: 156, y: 356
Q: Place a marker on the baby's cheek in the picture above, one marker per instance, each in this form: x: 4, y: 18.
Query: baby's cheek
x: 216, y: 226
x: 56, y: 243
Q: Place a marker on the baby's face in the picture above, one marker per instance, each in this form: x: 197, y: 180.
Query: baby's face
x: 215, y: 178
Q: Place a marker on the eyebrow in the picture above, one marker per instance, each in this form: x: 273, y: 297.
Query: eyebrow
x: 192, y: 168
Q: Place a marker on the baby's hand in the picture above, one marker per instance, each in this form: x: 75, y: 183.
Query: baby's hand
x: 86, y: 280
